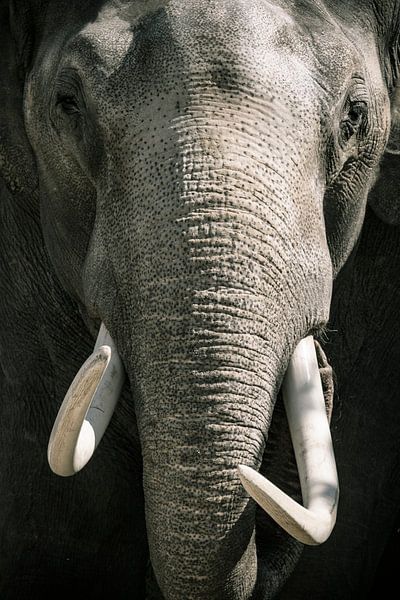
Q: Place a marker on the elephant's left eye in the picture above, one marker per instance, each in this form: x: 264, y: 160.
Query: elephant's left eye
x: 354, y: 120
x: 67, y: 104
x: 66, y: 115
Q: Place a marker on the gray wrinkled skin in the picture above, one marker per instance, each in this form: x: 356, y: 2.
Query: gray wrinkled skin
x: 195, y: 175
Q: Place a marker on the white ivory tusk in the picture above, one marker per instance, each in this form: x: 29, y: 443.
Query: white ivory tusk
x: 312, y: 443
x: 87, y: 408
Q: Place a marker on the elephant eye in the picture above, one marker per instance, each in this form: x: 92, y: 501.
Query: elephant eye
x: 354, y: 120
x: 67, y: 104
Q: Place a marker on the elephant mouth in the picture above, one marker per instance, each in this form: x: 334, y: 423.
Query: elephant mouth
x: 91, y: 399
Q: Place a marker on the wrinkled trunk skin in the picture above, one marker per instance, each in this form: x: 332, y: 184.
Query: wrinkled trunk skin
x: 208, y: 415
x: 208, y: 372
x: 217, y: 274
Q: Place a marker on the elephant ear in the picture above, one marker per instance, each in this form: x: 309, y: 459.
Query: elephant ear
x: 17, y: 164
x: 384, y: 198
x: 393, y: 145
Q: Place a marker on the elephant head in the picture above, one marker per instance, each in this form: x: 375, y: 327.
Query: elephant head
x: 203, y: 172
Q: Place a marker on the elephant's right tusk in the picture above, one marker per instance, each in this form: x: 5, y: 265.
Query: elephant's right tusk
x: 312, y: 443
x: 87, y: 408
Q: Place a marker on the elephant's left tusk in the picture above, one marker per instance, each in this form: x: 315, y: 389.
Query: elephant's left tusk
x: 87, y: 408
x: 309, y: 428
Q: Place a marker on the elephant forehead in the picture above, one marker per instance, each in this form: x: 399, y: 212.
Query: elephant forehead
x: 111, y: 35
x: 234, y: 41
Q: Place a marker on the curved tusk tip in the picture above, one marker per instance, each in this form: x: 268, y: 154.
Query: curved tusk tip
x: 243, y: 469
x: 308, y: 526
x: 83, y: 452
x: 85, y: 446
x: 248, y: 477
x: 245, y: 473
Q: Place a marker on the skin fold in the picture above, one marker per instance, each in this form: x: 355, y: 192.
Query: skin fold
x: 195, y: 175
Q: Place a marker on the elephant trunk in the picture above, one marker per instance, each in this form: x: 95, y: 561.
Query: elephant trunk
x: 205, y: 406
x: 218, y: 325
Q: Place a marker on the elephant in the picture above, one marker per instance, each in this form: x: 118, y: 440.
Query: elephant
x: 199, y: 243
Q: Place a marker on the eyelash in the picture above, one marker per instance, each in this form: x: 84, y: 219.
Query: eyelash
x: 68, y: 104
x: 354, y: 120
